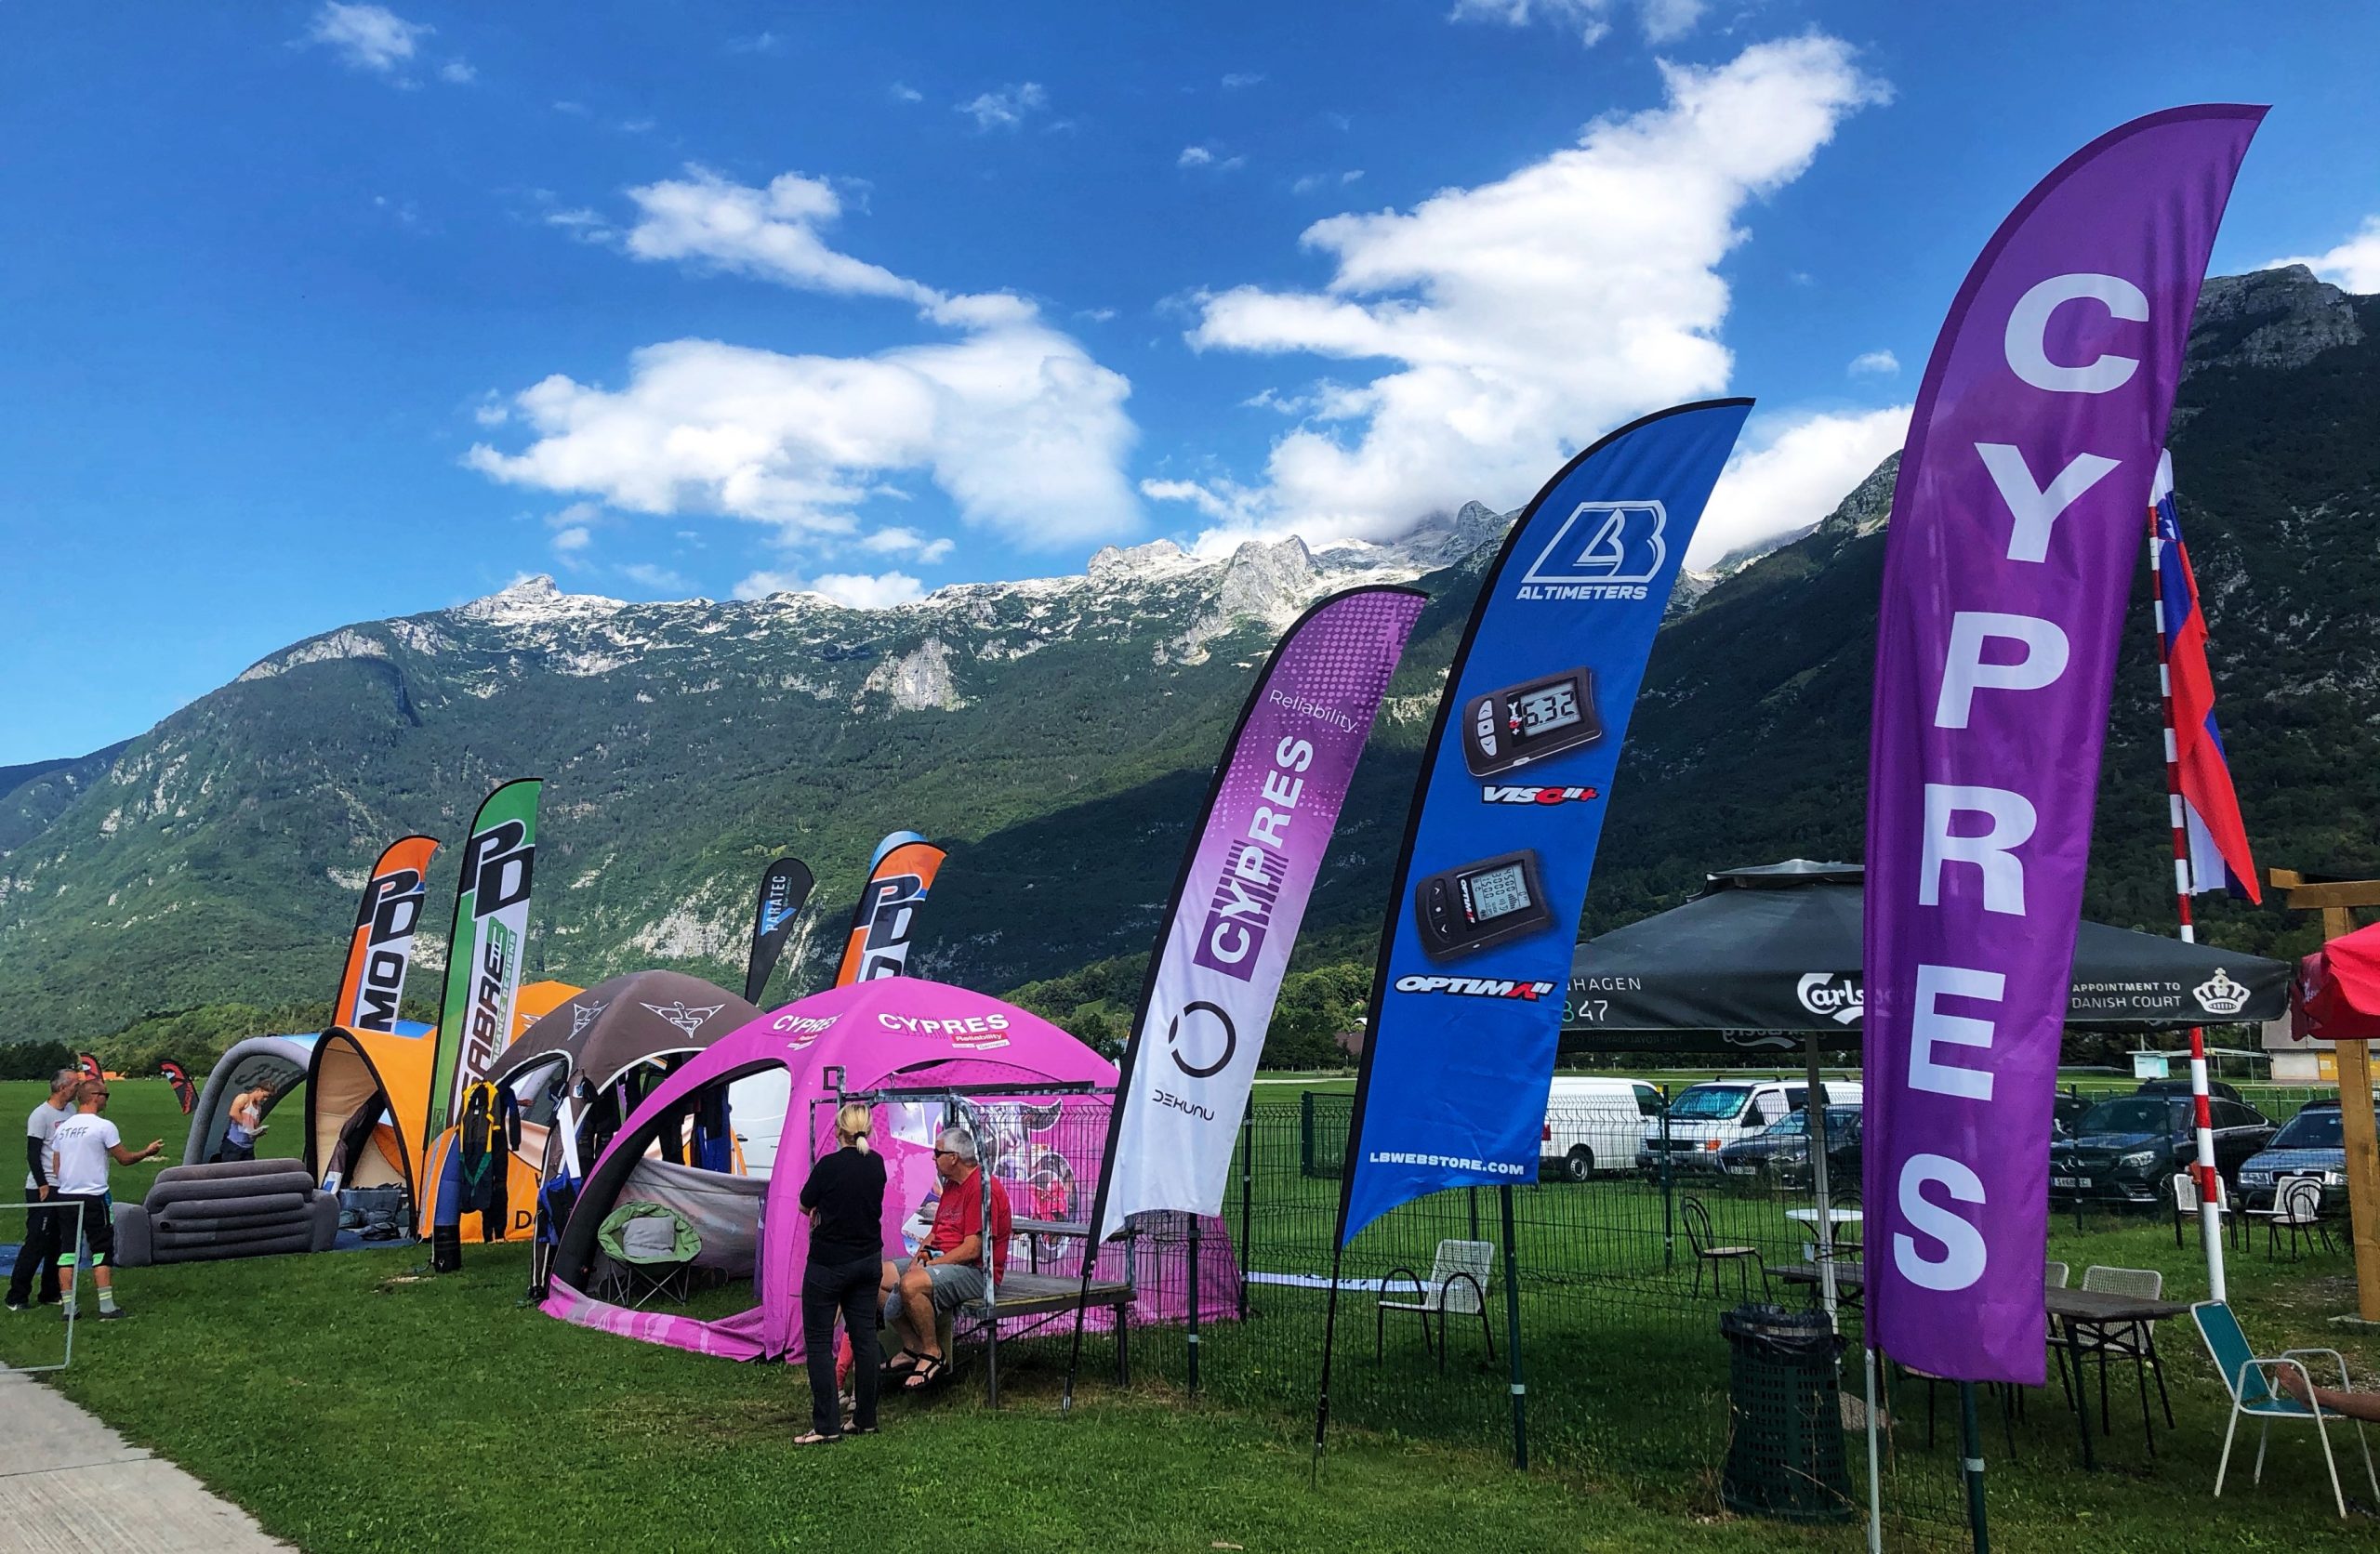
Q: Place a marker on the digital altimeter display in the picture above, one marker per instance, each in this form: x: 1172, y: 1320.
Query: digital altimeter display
x: 1526, y: 722
x: 1489, y: 903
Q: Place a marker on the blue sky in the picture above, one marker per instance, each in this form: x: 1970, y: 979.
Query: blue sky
x: 313, y: 313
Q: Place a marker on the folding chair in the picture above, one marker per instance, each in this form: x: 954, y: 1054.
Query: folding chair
x: 1458, y: 1286
x: 2254, y: 1395
x: 653, y: 1247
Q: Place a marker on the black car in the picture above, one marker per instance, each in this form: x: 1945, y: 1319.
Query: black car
x: 1779, y: 1154
x: 2126, y: 1150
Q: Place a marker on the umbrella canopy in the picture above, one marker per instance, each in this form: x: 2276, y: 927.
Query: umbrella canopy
x: 2339, y: 988
x: 1766, y: 954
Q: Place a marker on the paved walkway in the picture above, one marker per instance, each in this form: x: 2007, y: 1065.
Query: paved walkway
x: 69, y: 1484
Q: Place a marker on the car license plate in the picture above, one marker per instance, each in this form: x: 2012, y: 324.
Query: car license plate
x: 2068, y: 1181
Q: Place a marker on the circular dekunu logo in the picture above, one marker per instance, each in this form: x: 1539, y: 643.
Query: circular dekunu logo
x: 1220, y: 1020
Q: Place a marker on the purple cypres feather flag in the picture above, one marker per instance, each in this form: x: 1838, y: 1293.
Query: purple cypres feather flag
x: 2016, y: 527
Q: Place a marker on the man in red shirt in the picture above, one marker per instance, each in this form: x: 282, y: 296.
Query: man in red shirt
x: 947, y: 1272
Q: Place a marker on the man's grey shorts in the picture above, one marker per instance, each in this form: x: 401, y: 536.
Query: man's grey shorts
x: 955, y: 1284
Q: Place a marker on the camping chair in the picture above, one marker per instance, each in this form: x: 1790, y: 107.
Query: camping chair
x: 1698, y: 1234
x: 653, y: 1247
x: 2253, y: 1393
x: 2185, y: 1202
x: 2135, y: 1341
x: 2297, y: 1208
x: 1458, y: 1286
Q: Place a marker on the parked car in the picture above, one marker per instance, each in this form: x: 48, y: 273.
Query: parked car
x: 1594, y: 1124
x: 2125, y: 1151
x: 2066, y: 1111
x: 1779, y: 1155
x: 2182, y: 1087
x: 2310, y: 1144
x: 1705, y: 1118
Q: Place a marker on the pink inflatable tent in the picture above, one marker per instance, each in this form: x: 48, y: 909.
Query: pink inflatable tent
x: 902, y: 1035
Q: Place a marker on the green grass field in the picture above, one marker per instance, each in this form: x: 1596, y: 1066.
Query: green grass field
x: 353, y: 1402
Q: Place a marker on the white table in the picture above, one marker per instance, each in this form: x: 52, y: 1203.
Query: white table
x: 1835, y: 1214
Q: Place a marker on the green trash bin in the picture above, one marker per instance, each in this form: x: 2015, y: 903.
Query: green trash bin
x: 1785, y: 1451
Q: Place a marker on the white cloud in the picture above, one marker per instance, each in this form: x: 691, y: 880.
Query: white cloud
x: 1525, y: 316
x: 1013, y: 420
x: 659, y: 579
x: 1663, y: 20
x: 1312, y: 182
x: 1025, y: 433
x: 853, y: 590
x: 1882, y: 362
x: 459, y: 73
x: 759, y: 42
x: 860, y: 591
x: 1238, y: 79
x: 760, y: 585
x: 770, y: 234
x: 1205, y: 156
x: 901, y: 93
x: 2353, y: 266
x: 1784, y: 478
x: 1006, y: 108
x: 899, y: 540
x: 367, y: 37
x: 569, y: 543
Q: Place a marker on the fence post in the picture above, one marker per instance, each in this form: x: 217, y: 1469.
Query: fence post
x: 1247, y: 1192
x: 1470, y: 1196
x: 1971, y: 1443
x: 1669, y: 1207
x: 1513, y: 1331
x: 1194, y: 1305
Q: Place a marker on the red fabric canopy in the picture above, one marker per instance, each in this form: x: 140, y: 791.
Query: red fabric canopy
x: 2337, y: 997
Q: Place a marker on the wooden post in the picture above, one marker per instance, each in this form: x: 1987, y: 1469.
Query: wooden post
x: 2333, y: 899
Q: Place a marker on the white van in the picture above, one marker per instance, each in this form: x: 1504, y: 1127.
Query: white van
x: 1705, y: 1118
x: 1595, y: 1125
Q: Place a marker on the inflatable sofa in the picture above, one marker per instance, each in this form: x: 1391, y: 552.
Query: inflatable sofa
x: 241, y: 1208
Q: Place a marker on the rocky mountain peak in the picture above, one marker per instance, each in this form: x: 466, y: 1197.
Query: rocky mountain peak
x: 535, y: 601
x: 2273, y: 318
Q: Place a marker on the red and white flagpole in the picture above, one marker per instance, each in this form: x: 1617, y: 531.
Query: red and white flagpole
x: 2210, y: 1214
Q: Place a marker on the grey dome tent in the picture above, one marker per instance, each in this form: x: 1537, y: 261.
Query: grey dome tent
x: 277, y: 1061
x: 1766, y: 957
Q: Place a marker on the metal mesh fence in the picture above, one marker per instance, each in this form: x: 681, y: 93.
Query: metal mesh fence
x: 1623, y: 1272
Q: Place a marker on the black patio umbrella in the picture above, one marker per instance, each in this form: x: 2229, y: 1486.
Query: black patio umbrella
x: 1767, y: 956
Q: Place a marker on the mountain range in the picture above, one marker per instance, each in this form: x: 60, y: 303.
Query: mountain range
x: 1057, y: 735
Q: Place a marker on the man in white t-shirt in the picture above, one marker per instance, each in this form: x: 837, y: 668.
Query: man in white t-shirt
x: 80, y: 1149
x: 39, y: 1251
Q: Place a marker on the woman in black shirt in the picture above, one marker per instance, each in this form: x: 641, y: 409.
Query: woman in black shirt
x: 845, y: 1197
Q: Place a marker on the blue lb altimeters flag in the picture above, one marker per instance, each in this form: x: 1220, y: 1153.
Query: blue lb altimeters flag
x: 1467, y: 1003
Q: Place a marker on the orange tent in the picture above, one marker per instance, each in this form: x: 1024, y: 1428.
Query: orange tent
x: 530, y: 1004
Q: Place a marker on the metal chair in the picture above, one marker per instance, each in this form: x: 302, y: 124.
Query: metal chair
x: 1697, y: 1235
x: 1458, y: 1286
x: 2249, y: 1381
x: 2135, y: 1341
x: 2296, y: 1208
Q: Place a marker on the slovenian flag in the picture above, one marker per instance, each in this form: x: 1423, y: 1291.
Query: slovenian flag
x: 2218, y: 841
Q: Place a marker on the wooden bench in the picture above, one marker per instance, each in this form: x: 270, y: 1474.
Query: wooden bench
x: 1028, y: 1293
